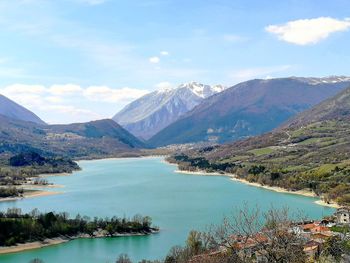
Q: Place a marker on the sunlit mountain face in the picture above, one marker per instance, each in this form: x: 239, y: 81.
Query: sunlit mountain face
x: 153, y: 112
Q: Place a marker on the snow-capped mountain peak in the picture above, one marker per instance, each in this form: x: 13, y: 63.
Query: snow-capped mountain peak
x: 324, y: 80
x: 149, y: 114
x: 202, y: 90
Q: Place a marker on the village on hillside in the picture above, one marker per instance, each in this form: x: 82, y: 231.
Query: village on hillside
x: 315, y: 236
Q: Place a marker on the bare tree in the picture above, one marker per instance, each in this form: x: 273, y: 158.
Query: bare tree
x: 250, y: 232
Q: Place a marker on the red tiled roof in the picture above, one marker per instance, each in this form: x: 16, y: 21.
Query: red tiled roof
x: 308, y: 226
x: 319, y: 229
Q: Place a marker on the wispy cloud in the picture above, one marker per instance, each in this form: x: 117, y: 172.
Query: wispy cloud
x: 72, y: 113
x: 111, y: 58
x: 154, y: 60
x: 67, y: 89
x: 232, y: 38
x: 92, y: 93
x: 258, y: 72
x: 164, y: 53
x: 107, y: 94
x: 64, y: 99
x: 308, y: 31
x: 92, y: 2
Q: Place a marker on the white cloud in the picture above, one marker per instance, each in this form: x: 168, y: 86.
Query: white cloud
x: 58, y: 100
x: 259, y: 72
x: 54, y: 99
x: 57, y: 93
x: 164, y: 53
x: 65, y: 89
x: 71, y: 110
x: 308, y: 31
x: 154, y: 60
x: 164, y: 85
x: 107, y: 94
x: 23, y: 89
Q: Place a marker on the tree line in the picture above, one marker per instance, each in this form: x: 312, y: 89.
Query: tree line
x: 17, y: 227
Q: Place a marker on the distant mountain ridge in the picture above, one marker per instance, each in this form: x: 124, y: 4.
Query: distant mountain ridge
x: 15, y: 111
x: 325, y: 80
x: 100, y: 129
x: 249, y: 108
x: 151, y: 113
x: 91, y: 139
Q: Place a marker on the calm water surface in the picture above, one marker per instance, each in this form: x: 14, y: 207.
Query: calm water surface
x: 176, y: 202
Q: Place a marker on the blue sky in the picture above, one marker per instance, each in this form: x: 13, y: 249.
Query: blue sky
x: 77, y: 60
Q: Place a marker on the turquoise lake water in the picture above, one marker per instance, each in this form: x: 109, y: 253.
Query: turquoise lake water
x: 176, y: 202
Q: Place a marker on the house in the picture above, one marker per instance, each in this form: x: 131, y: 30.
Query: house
x: 319, y: 229
x: 342, y: 215
x: 308, y: 227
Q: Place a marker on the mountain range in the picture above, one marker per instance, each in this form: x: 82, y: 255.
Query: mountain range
x: 217, y: 115
x: 13, y: 110
x: 23, y: 131
x: 151, y: 113
x: 248, y: 108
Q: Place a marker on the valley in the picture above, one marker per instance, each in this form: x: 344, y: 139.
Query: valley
x: 304, y: 158
x: 163, y: 131
x: 129, y: 186
x: 291, y: 140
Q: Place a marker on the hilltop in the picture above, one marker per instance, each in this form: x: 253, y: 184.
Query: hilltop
x: 78, y: 140
x: 13, y: 110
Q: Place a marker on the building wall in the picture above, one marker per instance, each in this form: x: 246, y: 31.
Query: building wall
x: 343, y: 218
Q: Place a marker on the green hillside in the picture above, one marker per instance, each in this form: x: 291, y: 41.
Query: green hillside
x: 311, y: 151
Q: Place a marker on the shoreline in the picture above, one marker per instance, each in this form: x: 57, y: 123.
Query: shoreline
x: 122, y: 158
x: 32, y: 245
x: 59, y: 240
x: 40, y: 186
x: 323, y: 203
x: 53, y: 174
x: 35, y: 193
x: 234, y: 177
x: 36, y: 190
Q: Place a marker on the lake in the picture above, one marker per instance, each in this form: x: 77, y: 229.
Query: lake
x: 176, y: 202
